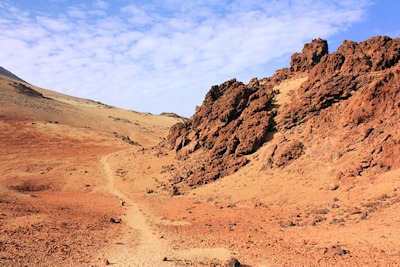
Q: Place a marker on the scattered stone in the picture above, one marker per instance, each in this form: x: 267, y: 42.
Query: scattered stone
x: 233, y: 263
x: 174, y: 191
x: 104, y: 262
x: 284, y: 153
x: 115, y: 221
x: 363, y: 216
x: 354, y: 210
x: 322, y: 211
x: 287, y: 224
x: 336, y: 250
x: 333, y: 186
x: 259, y: 204
x: 126, y: 139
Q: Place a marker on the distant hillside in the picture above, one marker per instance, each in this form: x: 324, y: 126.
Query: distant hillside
x: 5, y: 72
x: 173, y: 115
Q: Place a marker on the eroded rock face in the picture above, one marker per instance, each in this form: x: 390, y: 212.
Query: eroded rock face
x: 339, y: 75
x: 351, y: 101
x: 311, y: 56
x: 281, y: 152
x: 232, y: 121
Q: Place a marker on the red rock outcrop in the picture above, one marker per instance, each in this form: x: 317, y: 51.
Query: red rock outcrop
x: 233, y: 121
x: 339, y: 75
x: 351, y: 100
x: 311, y: 56
x: 282, y: 152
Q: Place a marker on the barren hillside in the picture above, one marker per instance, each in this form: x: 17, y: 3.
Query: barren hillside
x: 301, y: 169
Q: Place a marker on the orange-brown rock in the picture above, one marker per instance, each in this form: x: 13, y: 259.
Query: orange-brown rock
x: 233, y: 121
x: 311, y: 56
x: 338, y: 76
x: 351, y: 99
x: 282, y: 152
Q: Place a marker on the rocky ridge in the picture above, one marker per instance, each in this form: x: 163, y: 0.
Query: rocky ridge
x: 351, y: 101
x: 25, y: 90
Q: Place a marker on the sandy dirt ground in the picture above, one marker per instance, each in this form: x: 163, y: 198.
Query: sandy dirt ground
x: 64, y: 174
x: 325, y: 228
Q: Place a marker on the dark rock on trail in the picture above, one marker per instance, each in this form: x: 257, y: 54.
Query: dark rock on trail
x: 233, y: 263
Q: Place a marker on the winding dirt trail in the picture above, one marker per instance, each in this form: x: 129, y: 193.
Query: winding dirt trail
x: 140, y: 246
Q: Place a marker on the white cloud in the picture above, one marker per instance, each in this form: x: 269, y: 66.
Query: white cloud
x: 99, y: 13
x: 137, y: 15
x: 54, y: 25
x: 164, y: 56
x: 100, y: 4
x: 76, y: 12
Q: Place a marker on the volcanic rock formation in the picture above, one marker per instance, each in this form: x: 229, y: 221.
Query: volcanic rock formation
x: 233, y: 121
x: 351, y: 97
x: 25, y: 90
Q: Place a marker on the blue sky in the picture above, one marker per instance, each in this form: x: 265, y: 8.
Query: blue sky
x: 164, y: 56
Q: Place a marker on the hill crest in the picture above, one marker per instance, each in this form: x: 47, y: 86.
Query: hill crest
x: 7, y: 73
x: 353, y: 92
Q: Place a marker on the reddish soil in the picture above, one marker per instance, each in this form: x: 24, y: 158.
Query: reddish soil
x: 299, y: 169
x: 281, y: 236
x: 56, y: 228
x: 40, y: 224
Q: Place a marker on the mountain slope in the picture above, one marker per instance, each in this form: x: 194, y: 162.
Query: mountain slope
x: 5, y: 72
x: 24, y: 101
x: 56, y: 200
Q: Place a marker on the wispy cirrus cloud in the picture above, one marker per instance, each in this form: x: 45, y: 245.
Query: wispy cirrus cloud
x: 77, y: 12
x: 162, y: 55
x: 55, y: 25
x: 100, y: 4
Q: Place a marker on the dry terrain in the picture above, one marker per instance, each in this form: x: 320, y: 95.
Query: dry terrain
x: 67, y: 164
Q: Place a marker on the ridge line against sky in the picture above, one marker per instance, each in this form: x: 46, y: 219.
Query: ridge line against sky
x: 164, y: 56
